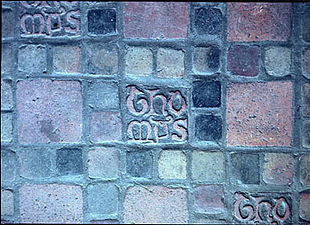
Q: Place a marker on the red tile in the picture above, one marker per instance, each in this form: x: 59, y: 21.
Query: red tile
x: 51, y: 203
x: 49, y: 111
x: 259, y: 114
x: 155, y: 204
x: 259, y: 21
x: 155, y: 19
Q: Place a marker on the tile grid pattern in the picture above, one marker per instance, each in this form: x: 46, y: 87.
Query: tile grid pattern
x: 83, y: 138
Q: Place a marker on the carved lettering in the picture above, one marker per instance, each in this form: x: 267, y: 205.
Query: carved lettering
x: 180, y: 126
x: 139, y: 131
x: 73, y: 22
x: 163, y: 113
x: 264, y: 207
x: 32, y: 24
x: 50, y: 18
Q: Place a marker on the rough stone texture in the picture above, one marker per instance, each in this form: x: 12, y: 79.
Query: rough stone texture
x: 155, y: 204
x: 208, y: 21
x: 172, y: 165
x: 304, y: 205
x: 7, y: 203
x: 245, y: 168
x: 170, y: 63
x: 69, y: 161
x: 32, y: 58
x: 6, y: 94
x: 306, y: 134
x: 8, y: 23
x: 305, y: 23
x: 209, y: 199
x: 103, y: 95
x: 243, y: 60
x: 139, y: 164
x: 105, y: 126
x: 259, y: 21
x: 50, y: 203
x: 278, y: 61
x: 6, y: 127
x: 102, y: 198
x: 8, y: 165
x: 278, y: 168
x: 49, y: 111
x: 8, y: 61
x: 306, y: 63
x: 103, y: 163
x: 206, y: 59
x: 139, y: 61
x: 305, y: 94
x: 102, y: 59
x: 259, y: 114
x: 208, y: 128
x: 304, y: 169
x: 67, y: 59
x: 206, y: 94
x: 102, y: 21
x: 155, y: 19
x: 35, y: 163
x: 208, y: 166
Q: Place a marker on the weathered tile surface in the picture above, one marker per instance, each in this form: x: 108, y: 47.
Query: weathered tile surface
x: 156, y: 20
x: 50, y: 203
x: 155, y: 204
x: 243, y: 60
x: 155, y: 112
x: 172, y: 165
x: 259, y: 21
x: 278, y: 168
x: 208, y: 166
x: 259, y: 114
x: 49, y: 111
x: 209, y: 199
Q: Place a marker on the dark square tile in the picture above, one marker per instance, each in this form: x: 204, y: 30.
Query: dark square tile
x: 69, y: 161
x: 206, y: 94
x: 139, y: 164
x: 245, y: 168
x: 102, y: 21
x: 208, y: 21
x: 208, y: 128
